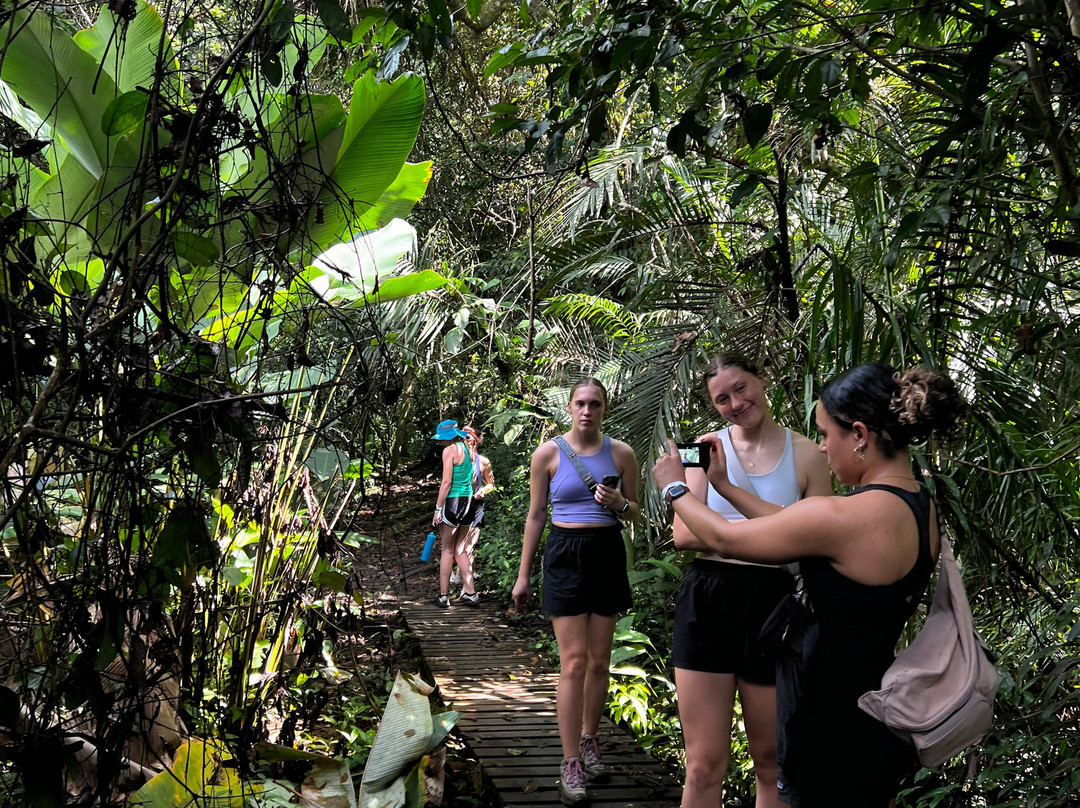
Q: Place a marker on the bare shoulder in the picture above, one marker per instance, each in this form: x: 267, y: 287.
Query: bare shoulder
x: 811, y: 467
x: 803, y: 446
x: 850, y: 515
x: 545, y: 452
x: 622, y: 451
x: 823, y: 524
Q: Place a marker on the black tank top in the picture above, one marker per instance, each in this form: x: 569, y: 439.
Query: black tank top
x: 860, y: 623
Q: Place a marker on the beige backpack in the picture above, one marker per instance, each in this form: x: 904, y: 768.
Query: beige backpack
x: 939, y: 692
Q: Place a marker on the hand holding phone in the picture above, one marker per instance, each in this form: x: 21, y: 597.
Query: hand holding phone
x: 610, y: 480
x: 695, y: 455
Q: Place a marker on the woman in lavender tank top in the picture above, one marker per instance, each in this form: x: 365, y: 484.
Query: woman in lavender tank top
x: 585, y: 580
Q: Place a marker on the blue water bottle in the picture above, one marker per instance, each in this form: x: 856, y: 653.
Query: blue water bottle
x: 424, y: 556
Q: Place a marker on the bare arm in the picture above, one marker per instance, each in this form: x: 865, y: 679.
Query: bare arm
x: 487, y: 476
x: 614, y: 498
x: 808, y: 527
x: 699, y: 489
x: 444, y: 486
x: 539, y: 480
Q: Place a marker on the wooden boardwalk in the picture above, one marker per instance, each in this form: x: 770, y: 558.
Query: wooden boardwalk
x: 506, y: 697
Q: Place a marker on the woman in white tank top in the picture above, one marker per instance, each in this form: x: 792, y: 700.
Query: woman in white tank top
x: 723, y: 602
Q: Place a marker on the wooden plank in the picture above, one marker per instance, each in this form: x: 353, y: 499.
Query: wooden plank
x: 507, y: 701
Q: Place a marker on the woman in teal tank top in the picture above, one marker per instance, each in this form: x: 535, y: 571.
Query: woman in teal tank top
x: 454, y: 506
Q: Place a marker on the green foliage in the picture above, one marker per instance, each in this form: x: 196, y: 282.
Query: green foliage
x: 170, y: 215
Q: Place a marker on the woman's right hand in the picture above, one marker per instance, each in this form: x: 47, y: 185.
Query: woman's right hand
x: 521, y: 593
x: 717, y: 472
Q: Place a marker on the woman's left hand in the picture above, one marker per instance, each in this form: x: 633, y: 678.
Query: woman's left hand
x: 669, y: 467
x: 608, y: 497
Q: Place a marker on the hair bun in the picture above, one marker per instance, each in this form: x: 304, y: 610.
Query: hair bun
x: 927, y: 402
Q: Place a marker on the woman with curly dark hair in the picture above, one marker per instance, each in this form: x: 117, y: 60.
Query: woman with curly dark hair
x: 865, y: 558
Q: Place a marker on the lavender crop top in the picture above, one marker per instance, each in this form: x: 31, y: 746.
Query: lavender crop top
x: 571, y: 501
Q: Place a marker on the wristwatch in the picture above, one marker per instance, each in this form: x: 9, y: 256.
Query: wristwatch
x: 626, y: 506
x: 673, y: 491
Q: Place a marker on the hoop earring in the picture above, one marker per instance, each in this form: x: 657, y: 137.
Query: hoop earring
x: 860, y: 450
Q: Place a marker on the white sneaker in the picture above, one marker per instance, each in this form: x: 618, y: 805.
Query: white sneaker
x: 572, y: 783
x: 595, y: 770
x: 466, y: 599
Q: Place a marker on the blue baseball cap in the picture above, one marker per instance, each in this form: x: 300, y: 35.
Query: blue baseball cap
x: 447, y: 430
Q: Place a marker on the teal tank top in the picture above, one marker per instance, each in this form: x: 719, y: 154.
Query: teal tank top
x: 461, y: 484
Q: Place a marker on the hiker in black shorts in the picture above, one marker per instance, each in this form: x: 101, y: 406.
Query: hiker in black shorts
x: 585, y: 579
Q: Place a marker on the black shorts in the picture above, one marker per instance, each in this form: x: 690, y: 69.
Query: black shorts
x: 461, y: 511
x: 718, y: 618
x: 585, y: 572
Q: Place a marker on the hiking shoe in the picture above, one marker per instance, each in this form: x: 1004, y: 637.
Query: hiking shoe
x: 595, y: 769
x: 455, y: 577
x: 572, y: 783
x: 443, y: 602
x: 467, y: 600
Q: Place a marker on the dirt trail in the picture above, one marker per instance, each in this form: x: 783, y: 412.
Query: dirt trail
x: 394, y: 524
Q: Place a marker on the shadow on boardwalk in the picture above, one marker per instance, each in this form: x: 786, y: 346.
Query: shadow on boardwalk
x: 507, y: 701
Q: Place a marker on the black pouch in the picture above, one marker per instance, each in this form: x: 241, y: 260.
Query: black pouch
x: 792, y: 610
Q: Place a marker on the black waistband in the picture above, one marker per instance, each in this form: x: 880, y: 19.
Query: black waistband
x: 597, y: 530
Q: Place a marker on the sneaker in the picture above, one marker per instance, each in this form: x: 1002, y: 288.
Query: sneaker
x: 455, y: 577
x: 467, y: 600
x: 572, y: 783
x: 595, y: 769
x: 443, y: 602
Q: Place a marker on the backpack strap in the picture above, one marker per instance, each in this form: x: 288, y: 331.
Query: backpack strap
x: 586, y: 477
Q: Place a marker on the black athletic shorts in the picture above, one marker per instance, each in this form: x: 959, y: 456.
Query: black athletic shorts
x: 461, y: 511
x: 718, y: 618
x: 478, y: 512
x: 585, y: 572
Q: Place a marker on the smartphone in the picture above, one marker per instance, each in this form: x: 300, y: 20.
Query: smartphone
x: 695, y: 455
x: 610, y: 480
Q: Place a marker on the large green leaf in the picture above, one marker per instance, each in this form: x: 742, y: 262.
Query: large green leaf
x: 61, y: 83
x: 133, y: 55
x: 87, y: 210
x: 398, y: 200
x: 403, y: 286
x: 384, y: 119
x: 26, y: 118
x: 353, y: 268
x: 256, y: 96
x: 204, y: 293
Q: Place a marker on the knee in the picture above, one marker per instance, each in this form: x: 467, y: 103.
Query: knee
x: 766, y: 769
x: 706, y: 769
x: 572, y: 664
x: 599, y: 667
